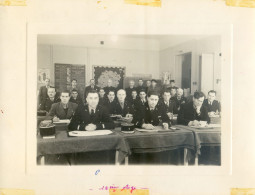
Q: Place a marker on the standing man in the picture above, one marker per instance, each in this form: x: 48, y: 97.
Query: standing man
x: 109, y: 87
x: 193, y: 112
x: 51, y: 99
x: 92, y: 116
x: 43, y: 91
x: 63, y: 109
x: 172, y: 85
x: 140, y: 86
x: 148, y: 85
x: 122, y: 106
x: 154, y: 87
x: 213, y: 106
x: 130, y: 89
x: 92, y: 86
x: 151, y: 115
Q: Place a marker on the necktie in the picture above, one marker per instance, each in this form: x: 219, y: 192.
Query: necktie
x: 122, y: 105
x: 92, y: 112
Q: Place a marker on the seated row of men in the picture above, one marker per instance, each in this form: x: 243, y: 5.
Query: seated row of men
x: 151, y: 85
x: 146, y: 111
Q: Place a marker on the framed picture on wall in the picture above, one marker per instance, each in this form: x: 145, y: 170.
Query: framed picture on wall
x: 43, y: 73
x: 102, y: 74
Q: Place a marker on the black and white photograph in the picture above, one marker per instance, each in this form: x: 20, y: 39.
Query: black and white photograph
x: 129, y: 100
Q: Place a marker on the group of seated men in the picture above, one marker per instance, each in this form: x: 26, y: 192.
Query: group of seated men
x: 146, y: 107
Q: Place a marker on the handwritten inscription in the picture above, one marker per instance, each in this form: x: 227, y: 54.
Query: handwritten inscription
x: 97, y: 171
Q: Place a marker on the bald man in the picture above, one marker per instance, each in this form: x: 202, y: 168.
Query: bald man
x: 122, y: 106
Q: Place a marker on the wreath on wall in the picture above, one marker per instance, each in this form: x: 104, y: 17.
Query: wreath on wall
x: 103, y: 73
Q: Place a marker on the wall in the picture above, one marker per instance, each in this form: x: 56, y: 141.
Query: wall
x: 197, y: 47
x: 135, y: 61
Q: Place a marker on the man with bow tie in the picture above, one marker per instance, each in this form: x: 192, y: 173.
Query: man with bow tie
x: 151, y: 115
x: 213, y: 106
x: 91, y: 116
x: 193, y: 112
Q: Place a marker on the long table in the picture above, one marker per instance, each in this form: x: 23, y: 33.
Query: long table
x: 186, y: 138
x: 204, y: 137
x: 64, y: 144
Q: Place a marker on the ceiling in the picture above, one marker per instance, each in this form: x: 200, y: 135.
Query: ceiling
x: 140, y: 42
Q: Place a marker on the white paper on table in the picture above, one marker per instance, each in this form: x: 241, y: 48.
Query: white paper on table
x: 214, y: 125
x: 62, y: 121
x: 147, y: 130
x: 89, y: 133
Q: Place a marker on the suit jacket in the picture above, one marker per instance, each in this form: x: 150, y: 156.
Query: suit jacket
x: 110, y: 106
x: 58, y: 110
x: 127, y: 109
x: 183, y: 100
x: 78, y: 100
x: 107, y: 89
x: 140, y: 88
x: 43, y: 94
x: 156, y: 89
x: 138, y: 103
x: 145, y: 115
x: 82, y: 118
x: 170, y: 108
x: 47, y: 103
x: 89, y: 88
x: 129, y: 92
x: 214, y: 107
x: 188, y: 113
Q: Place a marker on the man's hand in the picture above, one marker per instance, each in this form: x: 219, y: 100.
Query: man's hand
x: 90, y: 127
x: 165, y: 126
x: 194, y: 123
x: 55, y: 119
x: 129, y: 116
x: 170, y: 115
x: 148, y: 126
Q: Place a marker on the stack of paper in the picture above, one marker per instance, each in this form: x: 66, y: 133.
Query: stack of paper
x: 89, y: 133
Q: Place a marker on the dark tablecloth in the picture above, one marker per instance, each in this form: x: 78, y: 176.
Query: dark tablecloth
x: 143, y: 142
x: 204, y: 137
x: 64, y: 144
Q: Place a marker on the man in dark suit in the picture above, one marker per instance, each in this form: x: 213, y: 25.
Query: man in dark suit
x: 75, y: 98
x: 154, y: 87
x: 75, y: 86
x: 91, y: 116
x: 179, y: 99
x: 172, y: 85
x: 140, y: 86
x: 122, y: 106
x: 110, y: 102
x: 148, y: 85
x: 43, y: 91
x: 109, y: 87
x: 92, y: 86
x: 51, y: 99
x: 168, y: 105
x: 130, y: 89
x: 134, y: 98
x: 102, y: 97
x: 213, y: 106
x: 173, y: 93
x: 193, y: 112
x: 63, y: 109
x: 151, y: 115
x: 140, y: 102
